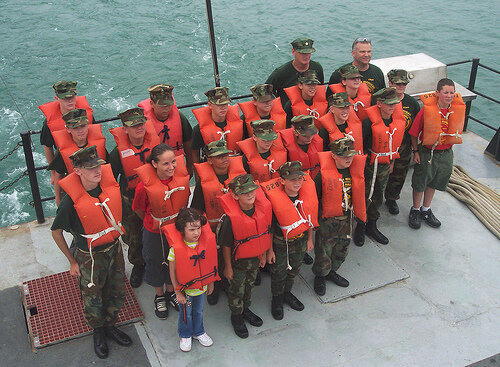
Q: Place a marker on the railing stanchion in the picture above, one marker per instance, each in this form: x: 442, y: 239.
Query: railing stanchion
x: 212, y: 42
x: 472, y: 84
x: 30, y: 166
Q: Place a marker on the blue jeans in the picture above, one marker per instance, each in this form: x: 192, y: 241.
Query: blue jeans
x: 193, y: 311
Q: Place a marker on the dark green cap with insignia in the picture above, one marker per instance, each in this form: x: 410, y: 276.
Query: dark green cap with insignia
x: 349, y: 72
x: 339, y: 100
x: 65, y: 89
x: 291, y: 170
x: 397, y: 76
x: 263, y: 129
x: 86, y: 158
x: 263, y: 92
x: 387, y: 96
x: 218, y: 95
x: 343, y: 147
x: 303, y: 45
x: 308, y: 77
x: 304, y: 125
x: 161, y: 94
x: 216, y: 148
x: 75, y: 118
x: 242, y: 184
x: 132, y: 117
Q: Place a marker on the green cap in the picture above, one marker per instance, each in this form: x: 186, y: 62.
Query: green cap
x: 216, y: 148
x: 304, y: 125
x: 65, y: 89
x: 263, y: 129
x: 308, y: 77
x: 75, y: 118
x: 343, y: 147
x: 339, y: 100
x: 349, y: 71
x: 242, y: 184
x: 86, y: 158
x: 132, y: 117
x: 218, y: 95
x: 303, y: 45
x: 397, y: 76
x: 161, y: 94
x: 263, y: 92
x: 291, y: 170
x: 387, y: 96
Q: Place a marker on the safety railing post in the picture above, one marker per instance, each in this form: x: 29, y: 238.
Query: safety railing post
x: 211, y: 32
x: 472, y: 84
x: 30, y: 166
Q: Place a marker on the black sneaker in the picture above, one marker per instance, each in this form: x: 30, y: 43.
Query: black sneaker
x: 137, y: 275
x: 172, y: 300
x: 308, y: 260
x: 293, y: 301
x: 414, y: 219
x: 392, y: 206
x: 161, y: 309
x: 429, y: 218
x: 319, y: 285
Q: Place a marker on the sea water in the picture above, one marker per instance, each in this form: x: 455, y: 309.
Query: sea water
x: 116, y: 49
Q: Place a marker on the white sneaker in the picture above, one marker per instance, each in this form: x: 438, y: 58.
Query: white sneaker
x: 185, y: 344
x: 204, y: 340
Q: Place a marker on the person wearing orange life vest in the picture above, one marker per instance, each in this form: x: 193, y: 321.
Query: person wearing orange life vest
x: 263, y: 106
x: 295, y: 214
x: 171, y: 125
x: 264, y: 152
x: 245, y: 234
x: 91, y: 211
x: 161, y: 193
x: 340, y: 186
x: 217, y: 121
x: 383, y: 132
x: 439, y: 124
x: 306, y: 98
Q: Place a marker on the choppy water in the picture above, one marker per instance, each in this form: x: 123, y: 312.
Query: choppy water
x: 115, y: 49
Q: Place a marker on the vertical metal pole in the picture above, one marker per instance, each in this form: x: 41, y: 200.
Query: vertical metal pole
x: 212, y: 42
x: 30, y: 166
x: 472, y: 84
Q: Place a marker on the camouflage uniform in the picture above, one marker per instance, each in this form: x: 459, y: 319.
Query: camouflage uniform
x: 372, y: 208
x: 239, y: 294
x: 282, y: 278
x: 133, y: 228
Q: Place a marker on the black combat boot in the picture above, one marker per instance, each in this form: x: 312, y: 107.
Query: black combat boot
x: 137, y: 275
x: 392, y: 206
x: 100, y: 345
x: 319, y: 285
x: 239, y: 326
x: 277, y: 307
x: 337, y: 279
x: 308, y: 260
x: 118, y: 336
x: 374, y: 233
x: 252, y: 318
x: 359, y: 234
x: 293, y: 301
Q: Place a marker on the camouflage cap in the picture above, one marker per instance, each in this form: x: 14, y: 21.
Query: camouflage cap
x: 343, y: 147
x: 339, y: 100
x: 397, y: 76
x: 263, y: 129
x: 86, y: 158
x: 75, y: 118
x: 303, y: 45
x: 349, y: 71
x: 132, y: 117
x: 387, y: 96
x: 161, y: 94
x: 216, y: 148
x: 263, y: 92
x: 65, y: 89
x: 308, y: 77
x: 218, y: 95
x: 304, y: 125
x: 242, y: 184
x: 291, y: 170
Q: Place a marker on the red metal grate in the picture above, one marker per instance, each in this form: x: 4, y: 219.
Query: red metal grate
x: 59, y: 309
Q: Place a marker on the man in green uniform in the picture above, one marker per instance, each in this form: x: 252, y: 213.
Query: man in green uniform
x: 101, y: 272
x: 370, y: 74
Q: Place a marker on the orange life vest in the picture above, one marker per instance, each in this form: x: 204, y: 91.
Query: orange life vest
x: 233, y: 131
x: 361, y: 102
x: 386, y: 140
x: 101, y: 217
x: 130, y: 156
x: 194, y: 267
x: 354, y: 129
x: 165, y: 200
x: 299, y: 107
x: 309, y: 160
x: 333, y: 200
x: 278, y: 115
x: 263, y: 169
x: 293, y: 218
x: 212, y: 188
x: 67, y: 146
x: 52, y: 112
x: 170, y: 130
x: 434, y: 131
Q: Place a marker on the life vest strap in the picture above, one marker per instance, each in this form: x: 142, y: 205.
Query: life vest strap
x: 169, y: 193
x: 238, y: 243
x: 198, y: 279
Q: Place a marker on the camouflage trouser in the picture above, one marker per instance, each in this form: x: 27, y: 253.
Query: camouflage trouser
x: 378, y: 193
x: 332, y: 244
x: 398, y: 176
x: 102, y: 302
x: 281, y: 277
x: 239, y: 295
x: 133, y: 230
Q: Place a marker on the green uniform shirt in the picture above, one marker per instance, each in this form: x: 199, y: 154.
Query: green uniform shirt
x: 323, y: 133
x: 410, y: 110
x: 59, y: 166
x: 373, y: 77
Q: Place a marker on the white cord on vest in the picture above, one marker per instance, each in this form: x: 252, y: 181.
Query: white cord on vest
x: 270, y: 167
x: 223, y: 134
x: 313, y: 112
x: 355, y: 105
